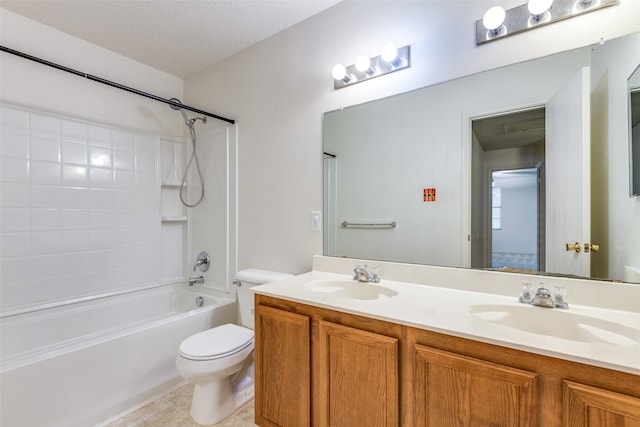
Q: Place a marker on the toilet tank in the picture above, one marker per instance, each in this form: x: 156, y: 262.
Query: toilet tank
x: 245, y: 280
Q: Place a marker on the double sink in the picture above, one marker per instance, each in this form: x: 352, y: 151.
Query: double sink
x: 572, y: 325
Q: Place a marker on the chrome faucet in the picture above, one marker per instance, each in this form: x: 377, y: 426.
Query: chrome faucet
x: 542, y: 298
x: 362, y: 274
x: 194, y: 280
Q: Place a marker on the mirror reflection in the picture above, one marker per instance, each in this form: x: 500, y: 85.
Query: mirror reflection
x: 428, y: 161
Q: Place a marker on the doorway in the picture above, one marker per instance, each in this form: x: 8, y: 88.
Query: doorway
x: 508, y: 200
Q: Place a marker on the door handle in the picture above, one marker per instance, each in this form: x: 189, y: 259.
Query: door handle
x: 591, y: 248
x: 573, y: 247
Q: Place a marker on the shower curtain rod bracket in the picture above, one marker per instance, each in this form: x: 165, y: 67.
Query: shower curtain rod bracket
x: 111, y: 83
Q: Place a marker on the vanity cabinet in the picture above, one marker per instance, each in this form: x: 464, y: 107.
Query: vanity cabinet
x: 283, y: 368
x: 453, y: 390
x: 357, y: 377
x: 323, y: 368
x: 462, y: 382
x: 586, y: 406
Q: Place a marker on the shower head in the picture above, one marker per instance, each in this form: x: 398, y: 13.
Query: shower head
x: 189, y: 122
x: 175, y: 101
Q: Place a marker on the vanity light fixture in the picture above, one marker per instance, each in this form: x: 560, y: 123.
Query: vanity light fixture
x: 390, y: 59
x: 533, y: 14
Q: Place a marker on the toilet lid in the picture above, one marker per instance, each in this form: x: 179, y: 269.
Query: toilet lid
x: 217, y: 342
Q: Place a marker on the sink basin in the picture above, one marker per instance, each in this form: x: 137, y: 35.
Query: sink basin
x: 558, y: 323
x: 348, y: 289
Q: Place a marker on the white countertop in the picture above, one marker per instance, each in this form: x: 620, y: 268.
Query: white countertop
x: 477, y: 315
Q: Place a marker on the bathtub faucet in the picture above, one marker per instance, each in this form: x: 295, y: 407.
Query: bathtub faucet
x: 194, y: 280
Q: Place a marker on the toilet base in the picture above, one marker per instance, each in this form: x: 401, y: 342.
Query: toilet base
x: 216, y: 400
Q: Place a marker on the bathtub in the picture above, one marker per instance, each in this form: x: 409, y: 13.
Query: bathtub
x: 82, y: 363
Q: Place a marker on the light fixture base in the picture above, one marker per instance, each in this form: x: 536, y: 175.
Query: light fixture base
x: 378, y: 67
x: 518, y: 19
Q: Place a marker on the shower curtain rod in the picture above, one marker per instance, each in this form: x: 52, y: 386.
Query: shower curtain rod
x: 112, y: 84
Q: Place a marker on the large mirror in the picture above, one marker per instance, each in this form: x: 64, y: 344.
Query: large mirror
x: 449, y: 174
x: 634, y: 132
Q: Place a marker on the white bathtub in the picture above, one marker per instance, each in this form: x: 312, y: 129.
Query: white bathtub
x: 82, y: 363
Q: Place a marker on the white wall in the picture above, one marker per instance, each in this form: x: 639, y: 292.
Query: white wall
x: 279, y: 88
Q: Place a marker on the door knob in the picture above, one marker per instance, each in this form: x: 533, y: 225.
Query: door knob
x: 573, y: 247
x: 591, y: 248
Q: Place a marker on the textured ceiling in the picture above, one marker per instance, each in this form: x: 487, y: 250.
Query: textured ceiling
x: 180, y: 37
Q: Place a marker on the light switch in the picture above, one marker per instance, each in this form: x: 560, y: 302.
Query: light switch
x: 316, y: 221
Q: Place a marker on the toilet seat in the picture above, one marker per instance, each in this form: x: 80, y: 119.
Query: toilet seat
x: 216, y: 343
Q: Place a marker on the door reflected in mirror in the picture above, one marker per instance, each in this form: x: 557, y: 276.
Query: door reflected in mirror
x: 634, y: 132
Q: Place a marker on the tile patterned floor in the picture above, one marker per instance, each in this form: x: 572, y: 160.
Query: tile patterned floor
x: 172, y: 410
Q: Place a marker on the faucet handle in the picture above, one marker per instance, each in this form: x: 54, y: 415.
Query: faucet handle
x: 202, y: 262
x: 375, y: 274
x: 560, y: 297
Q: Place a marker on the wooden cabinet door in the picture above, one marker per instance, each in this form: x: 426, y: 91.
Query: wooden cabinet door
x: 586, y: 406
x: 357, y: 378
x: 283, y: 368
x: 455, y: 391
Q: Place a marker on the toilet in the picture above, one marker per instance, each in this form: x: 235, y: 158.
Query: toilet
x: 219, y: 361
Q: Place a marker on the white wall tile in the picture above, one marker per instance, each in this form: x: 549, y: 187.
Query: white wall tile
x: 14, y: 244
x: 14, y: 219
x: 73, y: 152
x: 123, y: 140
x: 45, y: 219
x: 14, y: 142
x: 75, y: 240
x: 15, y: 118
x: 100, y: 239
x: 44, y: 149
x: 42, y: 125
x: 101, y: 218
x: 75, y: 219
x: 45, y: 196
x: 45, y: 242
x: 124, y: 159
x: 74, y: 131
x: 14, y: 170
x: 100, y: 156
x: 14, y: 270
x: 75, y: 198
x: 45, y: 173
x: 100, y: 136
x: 14, y: 195
x: 79, y: 210
x: 75, y: 176
x: 124, y: 179
x: 100, y: 178
x: 100, y: 198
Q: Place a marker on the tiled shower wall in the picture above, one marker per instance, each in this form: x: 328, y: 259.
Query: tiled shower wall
x: 79, y: 208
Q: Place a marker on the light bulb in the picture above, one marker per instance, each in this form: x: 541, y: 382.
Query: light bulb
x: 493, y: 18
x: 339, y: 72
x: 538, y: 7
x: 389, y: 52
x: 363, y: 63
